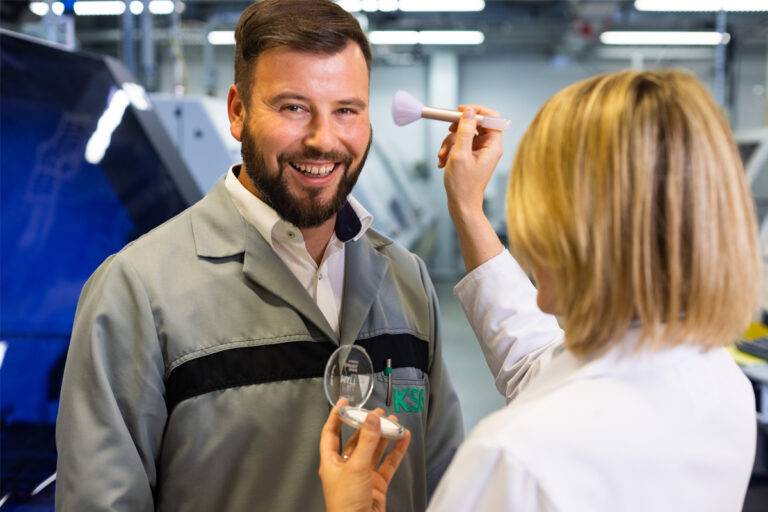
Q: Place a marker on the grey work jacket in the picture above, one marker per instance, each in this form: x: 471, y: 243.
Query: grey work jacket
x: 194, y: 376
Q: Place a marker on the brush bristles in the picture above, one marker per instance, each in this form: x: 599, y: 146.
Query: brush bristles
x: 405, y: 108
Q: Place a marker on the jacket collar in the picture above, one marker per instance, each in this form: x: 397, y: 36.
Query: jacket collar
x: 218, y: 229
x: 365, y: 268
x: 221, y: 232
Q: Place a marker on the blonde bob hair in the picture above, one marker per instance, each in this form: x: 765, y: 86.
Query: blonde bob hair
x: 629, y: 190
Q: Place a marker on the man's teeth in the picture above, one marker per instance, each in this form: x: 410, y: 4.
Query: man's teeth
x: 315, y: 170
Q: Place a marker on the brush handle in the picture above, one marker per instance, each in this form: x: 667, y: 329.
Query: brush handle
x: 452, y: 116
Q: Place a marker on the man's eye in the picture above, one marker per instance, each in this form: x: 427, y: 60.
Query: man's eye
x: 346, y: 111
x: 292, y: 108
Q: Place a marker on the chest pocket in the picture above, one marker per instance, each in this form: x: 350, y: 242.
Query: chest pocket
x: 409, y: 355
x: 409, y: 390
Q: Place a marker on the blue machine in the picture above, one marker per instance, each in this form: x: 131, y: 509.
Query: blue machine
x: 85, y: 168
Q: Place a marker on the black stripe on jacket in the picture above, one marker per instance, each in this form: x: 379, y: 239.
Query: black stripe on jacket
x: 283, y: 361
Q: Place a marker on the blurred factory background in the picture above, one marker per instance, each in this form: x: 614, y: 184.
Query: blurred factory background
x: 113, y: 119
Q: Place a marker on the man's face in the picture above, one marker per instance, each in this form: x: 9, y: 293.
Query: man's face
x: 306, y: 133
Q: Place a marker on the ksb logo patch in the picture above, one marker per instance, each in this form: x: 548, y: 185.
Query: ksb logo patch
x: 414, y: 402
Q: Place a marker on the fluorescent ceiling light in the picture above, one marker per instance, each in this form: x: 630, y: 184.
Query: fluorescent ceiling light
x: 136, y: 7
x: 665, y: 38
x: 445, y: 37
x: 39, y: 8
x: 161, y: 6
x: 451, y: 37
x: 701, y: 5
x: 106, y: 7
x: 350, y: 5
x: 220, y: 37
x: 412, y: 5
x: 394, y: 37
x: 99, y: 8
x: 387, y: 5
x: 441, y: 5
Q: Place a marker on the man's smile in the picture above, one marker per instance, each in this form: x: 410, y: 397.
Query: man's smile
x: 315, y: 169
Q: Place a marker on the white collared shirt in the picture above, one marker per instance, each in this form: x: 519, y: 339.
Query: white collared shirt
x: 324, y: 282
x: 658, y: 431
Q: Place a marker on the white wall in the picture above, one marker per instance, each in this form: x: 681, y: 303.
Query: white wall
x: 751, y: 105
x: 408, y: 142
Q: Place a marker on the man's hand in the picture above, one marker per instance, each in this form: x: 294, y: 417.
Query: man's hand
x: 351, y: 482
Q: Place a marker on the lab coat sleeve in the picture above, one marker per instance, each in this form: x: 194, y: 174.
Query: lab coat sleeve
x: 485, y: 477
x: 445, y: 427
x: 500, y: 303
x: 112, y: 410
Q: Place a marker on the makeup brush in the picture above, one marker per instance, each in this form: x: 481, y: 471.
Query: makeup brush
x: 407, y: 109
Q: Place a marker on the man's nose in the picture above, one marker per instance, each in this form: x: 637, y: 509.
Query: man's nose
x: 322, y: 134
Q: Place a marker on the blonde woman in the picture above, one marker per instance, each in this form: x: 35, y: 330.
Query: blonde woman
x: 628, y: 203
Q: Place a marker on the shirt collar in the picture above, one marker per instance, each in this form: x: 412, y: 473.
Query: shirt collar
x: 352, y: 221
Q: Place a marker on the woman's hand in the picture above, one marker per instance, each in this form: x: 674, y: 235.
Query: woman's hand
x: 469, y: 155
x: 351, y: 482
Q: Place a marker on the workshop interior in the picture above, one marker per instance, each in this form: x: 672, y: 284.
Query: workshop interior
x: 113, y: 119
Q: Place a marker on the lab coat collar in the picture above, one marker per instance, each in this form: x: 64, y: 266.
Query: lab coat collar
x: 565, y: 367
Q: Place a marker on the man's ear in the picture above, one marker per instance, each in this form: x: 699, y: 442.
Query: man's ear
x: 236, y: 111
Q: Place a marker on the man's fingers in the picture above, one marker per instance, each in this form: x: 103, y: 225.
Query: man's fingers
x: 329, y: 436
x: 383, y: 442
x: 394, y: 457
x: 349, y: 448
x: 368, y: 441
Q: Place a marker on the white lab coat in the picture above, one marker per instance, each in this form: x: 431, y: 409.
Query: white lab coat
x: 674, y: 430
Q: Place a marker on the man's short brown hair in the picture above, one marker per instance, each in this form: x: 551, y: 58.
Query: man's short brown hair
x: 315, y: 26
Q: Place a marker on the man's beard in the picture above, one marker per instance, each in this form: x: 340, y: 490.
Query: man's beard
x: 304, y: 213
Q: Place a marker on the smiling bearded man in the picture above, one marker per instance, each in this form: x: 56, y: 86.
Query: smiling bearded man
x: 194, y: 379
x: 274, y: 191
